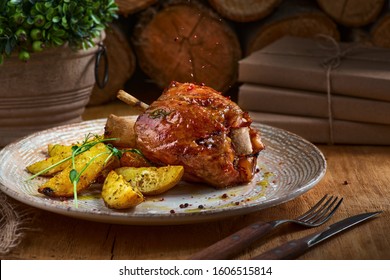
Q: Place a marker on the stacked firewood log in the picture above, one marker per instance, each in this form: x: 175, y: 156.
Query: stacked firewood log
x: 201, y: 41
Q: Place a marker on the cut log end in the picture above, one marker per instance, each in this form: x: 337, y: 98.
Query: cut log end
x: 188, y: 43
x: 127, y: 7
x: 294, y: 18
x: 352, y: 13
x: 244, y: 11
x: 380, y: 33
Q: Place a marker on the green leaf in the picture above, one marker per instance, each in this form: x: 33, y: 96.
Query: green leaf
x: 40, y: 7
x: 64, y: 22
x: 95, y: 19
x: 47, y: 25
x: 30, y: 20
x: 9, y: 46
x: 74, y: 148
x: 73, y: 174
x: 48, y: 4
x: 50, y: 14
x: 58, y: 41
x: 64, y: 8
x: 56, y: 19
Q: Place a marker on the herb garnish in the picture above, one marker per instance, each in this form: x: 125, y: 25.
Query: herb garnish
x: 159, y: 113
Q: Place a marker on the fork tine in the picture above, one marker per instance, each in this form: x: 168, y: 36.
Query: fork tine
x: 324, y: 217
x: 321, y: 210
x: 314, y: 208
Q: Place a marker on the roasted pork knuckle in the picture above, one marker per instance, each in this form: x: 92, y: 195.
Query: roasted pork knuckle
x: 199, y: 128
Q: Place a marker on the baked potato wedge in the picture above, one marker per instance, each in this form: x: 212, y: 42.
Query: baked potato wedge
x: 117, y: 193
x: 60, y: 185
x: 152, y: 180
x: 55, y: 158
x: 59, y: 149
x: 111, y: 165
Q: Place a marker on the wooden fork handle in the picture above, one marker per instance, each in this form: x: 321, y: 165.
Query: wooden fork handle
x: 234, y: 243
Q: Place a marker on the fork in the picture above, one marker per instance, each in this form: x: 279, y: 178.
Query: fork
x: 225, y: 248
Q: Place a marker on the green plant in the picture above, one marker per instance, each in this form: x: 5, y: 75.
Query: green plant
x: 28, y: 26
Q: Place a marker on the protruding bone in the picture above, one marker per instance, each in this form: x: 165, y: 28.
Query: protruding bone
x: 241, y: 140
x: 131, y: 100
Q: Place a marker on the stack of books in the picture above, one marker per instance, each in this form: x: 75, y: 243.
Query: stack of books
x: 326, y: 92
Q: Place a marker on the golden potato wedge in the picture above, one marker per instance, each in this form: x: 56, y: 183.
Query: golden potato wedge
x: 133, y: 159
x: 117, y: 193
x: 111, y: 165
x: 59, y: 149
x: 61, y: 186
x: 152, y: 180
x: 41, y: 165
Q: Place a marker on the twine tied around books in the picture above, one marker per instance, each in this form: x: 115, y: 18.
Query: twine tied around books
x: 330, y: 63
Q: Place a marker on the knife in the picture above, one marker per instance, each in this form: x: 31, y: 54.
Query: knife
x: 297, y: 247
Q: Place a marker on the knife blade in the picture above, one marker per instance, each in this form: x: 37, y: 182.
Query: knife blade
x: 297, y: 247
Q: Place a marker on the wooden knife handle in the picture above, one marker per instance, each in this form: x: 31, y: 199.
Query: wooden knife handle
x: 287, y: 251
x: 234, y: 243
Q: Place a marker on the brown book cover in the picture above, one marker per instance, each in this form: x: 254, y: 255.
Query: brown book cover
x: 317, y: 130
x: 297, y: 63
x: 252, y: 97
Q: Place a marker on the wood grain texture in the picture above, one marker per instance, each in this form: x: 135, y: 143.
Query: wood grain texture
x: 244, y: 11
x: 127, y: 7
x: 380, y: 32
x: 352, y: 13
x: 360, y: 174
x: 299, y: 18
x: 187, y: 42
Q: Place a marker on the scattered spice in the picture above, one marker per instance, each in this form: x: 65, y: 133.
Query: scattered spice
x: 345, y: 183
x: 224, y: 196
x: 172, y: 211
x: 200, y: 206
x: 185, y: 205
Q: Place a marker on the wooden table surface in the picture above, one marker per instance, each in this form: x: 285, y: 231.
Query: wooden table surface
x: 359, y: 174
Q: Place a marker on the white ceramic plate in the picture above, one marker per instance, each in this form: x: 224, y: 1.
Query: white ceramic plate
x: 289, y: 167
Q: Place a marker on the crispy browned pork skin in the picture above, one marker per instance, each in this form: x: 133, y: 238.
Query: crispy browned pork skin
x: 197, y: 127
